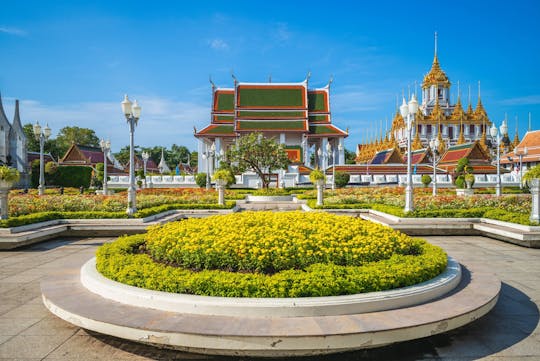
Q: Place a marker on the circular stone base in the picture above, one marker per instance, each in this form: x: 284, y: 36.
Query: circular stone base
x: 267, y: 335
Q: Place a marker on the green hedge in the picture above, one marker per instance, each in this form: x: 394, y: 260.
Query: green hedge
x: 121, y: 261
x: 142, y: 213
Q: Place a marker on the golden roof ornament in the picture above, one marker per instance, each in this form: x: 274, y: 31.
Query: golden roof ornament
x: 436, y: 75
x: 417, y: 143
x: 461, y: 138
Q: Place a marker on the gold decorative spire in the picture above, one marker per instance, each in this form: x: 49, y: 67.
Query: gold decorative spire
x: 417, y: 143
x: 442, y: 146
x: 515, y: 142
x: 436, y: 75
x: 483, y: 142
x: 461, y: 138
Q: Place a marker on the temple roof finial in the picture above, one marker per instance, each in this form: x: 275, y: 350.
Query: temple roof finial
x: 211, y: 82
x: 479, y: 97
x: 435, y: 44
x: 234, y: 78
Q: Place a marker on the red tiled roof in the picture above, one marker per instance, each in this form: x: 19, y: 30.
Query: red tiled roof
x: 531, y: 141
x: 385, y: 169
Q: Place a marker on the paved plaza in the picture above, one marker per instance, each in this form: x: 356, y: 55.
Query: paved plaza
x: 510, y: 332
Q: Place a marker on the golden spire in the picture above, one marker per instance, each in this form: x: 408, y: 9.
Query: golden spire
x: 436, y: 75
x: 483, y: 142
x: 515, y: 142
x: 442, y: 146
x: 461, y: 138
x: 417, y: 143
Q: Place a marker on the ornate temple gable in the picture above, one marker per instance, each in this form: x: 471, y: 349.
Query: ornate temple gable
x: 319, y: 105
x: 418, y: 156
x: 223, y: 106
x: 272, y: 96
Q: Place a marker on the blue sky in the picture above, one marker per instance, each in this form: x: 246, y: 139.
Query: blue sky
x: 71, y: 62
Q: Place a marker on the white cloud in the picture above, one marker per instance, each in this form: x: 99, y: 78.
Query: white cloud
x: 526, y: 100
x: 164, y: 121
x: 12, y: 31
x: 218, y: 44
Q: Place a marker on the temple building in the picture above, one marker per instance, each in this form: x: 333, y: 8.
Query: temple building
x: 293, y: 114
x: 13, y: 143
x: 437, y: 117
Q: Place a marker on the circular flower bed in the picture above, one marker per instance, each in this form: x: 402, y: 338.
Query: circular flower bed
x: 265, y: 254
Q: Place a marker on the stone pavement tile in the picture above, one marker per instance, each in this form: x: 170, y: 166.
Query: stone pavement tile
x: 28, y: 311
x: 50, y: 325
x: 7, y: 306
x: 33, y: 346
x: 13, y: 326
x: 4, y: 338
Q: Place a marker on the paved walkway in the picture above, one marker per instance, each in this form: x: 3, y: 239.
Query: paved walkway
x: 510, y: 332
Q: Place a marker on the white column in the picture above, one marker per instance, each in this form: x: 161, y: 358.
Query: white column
x: 282, y: 138
x: 341, y: 152
x: 218, y: 151
x: 200, y: 160
x: 324, y: 160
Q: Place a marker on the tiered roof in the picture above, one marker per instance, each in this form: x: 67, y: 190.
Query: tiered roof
x: 478, y: 158
x: 418, y: 156
x: 271, y: 107
x: 531, y: 141
x: 387, y: 156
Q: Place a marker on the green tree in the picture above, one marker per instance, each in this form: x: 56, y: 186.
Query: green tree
x: 350, y: 157
x: 33, y: 144
x: 82, y: 136
x: 123, y: 155
x: 259, y: 154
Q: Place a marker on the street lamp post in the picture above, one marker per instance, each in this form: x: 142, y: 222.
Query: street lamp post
x: 495, y: 133
x: 434, y: 145
x: 132, y: 111
x: 408, y: 111
x: 208, y: 155
x: 522, y: 154
x: 105, y: 147
x: 145, y: 156
x: 42, y: 136
x: 332, y: 151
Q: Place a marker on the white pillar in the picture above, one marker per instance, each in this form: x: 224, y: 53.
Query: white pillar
x: 341, y: 148
x: 282, y: 138
x: 324, y: 160
x: 535, y: 208
x: 218, y: 152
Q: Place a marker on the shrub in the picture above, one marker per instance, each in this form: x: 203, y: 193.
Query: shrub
x: 224, y: 175
x: 126, y: 261
x: 9, y: 175
x: 72, y: 176
x: 531, y: 173
x: 426, y: 179
x: 316, y: 175
x: 469, y: 179
x: 460, y: 182
x: 200, y: 179
x: 341, y: 179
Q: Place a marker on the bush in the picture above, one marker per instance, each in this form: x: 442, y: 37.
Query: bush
x: 125, y: 261
x: 341, y: 179
x: 9, y: 175
x: 531, y: 173
x: 200, y: 179
x: 426, y: 179
x: 460, y: 182
x: 72, y: 176
x: 316, y: 175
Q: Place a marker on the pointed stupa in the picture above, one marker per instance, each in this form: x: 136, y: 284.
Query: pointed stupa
x: 516, y: 140
x: 17, y: 125
x: 417, y: 143
x: 461, y: 138
x: 480, y: 113
x: 3, y: 117
x: 162, y: 166
x: 436, y: 75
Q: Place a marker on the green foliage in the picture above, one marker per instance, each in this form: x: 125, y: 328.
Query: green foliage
x: 51, y: 168
x: 341, y: 179
x: 224, y: 173
x: 316, y: 175
x: 81, y: 136
x: 426, y: 179
x: 350, y: 157
x: 460, y: 182
x: 9, y: 175
x: 124, y: 262
x: 73, y: 176
x: 259, y: 154
x: 469, y: 179
x: 200, y: 179
x: 531, y: 173
x: 461, y: 165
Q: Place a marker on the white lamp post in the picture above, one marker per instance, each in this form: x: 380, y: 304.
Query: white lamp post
x: 331, y: 152
x: 434, y: 145
x: 105, y: 147
x: 42, y: 136
x: 145, y: 156
x: 495, y: 134
x: 522, y: 154
x: 408, y: 111
x: 132, y: 111
x: 208, y: 156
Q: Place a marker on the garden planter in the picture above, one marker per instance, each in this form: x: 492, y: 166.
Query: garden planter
x: 464, y: 192
x: 320, y: 189
x: 220, y: 185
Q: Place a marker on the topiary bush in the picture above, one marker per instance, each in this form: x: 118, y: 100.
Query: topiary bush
x: 200, y: 179
x: 341, y: 179
x: 264, y: 254
x: 426, y: 179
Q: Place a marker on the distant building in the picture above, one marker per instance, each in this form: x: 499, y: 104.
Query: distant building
x: 80, y: 155
x: 437, y: 117
x: 528, y: 149
x: 293, y: 114
x: 13, y: 143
